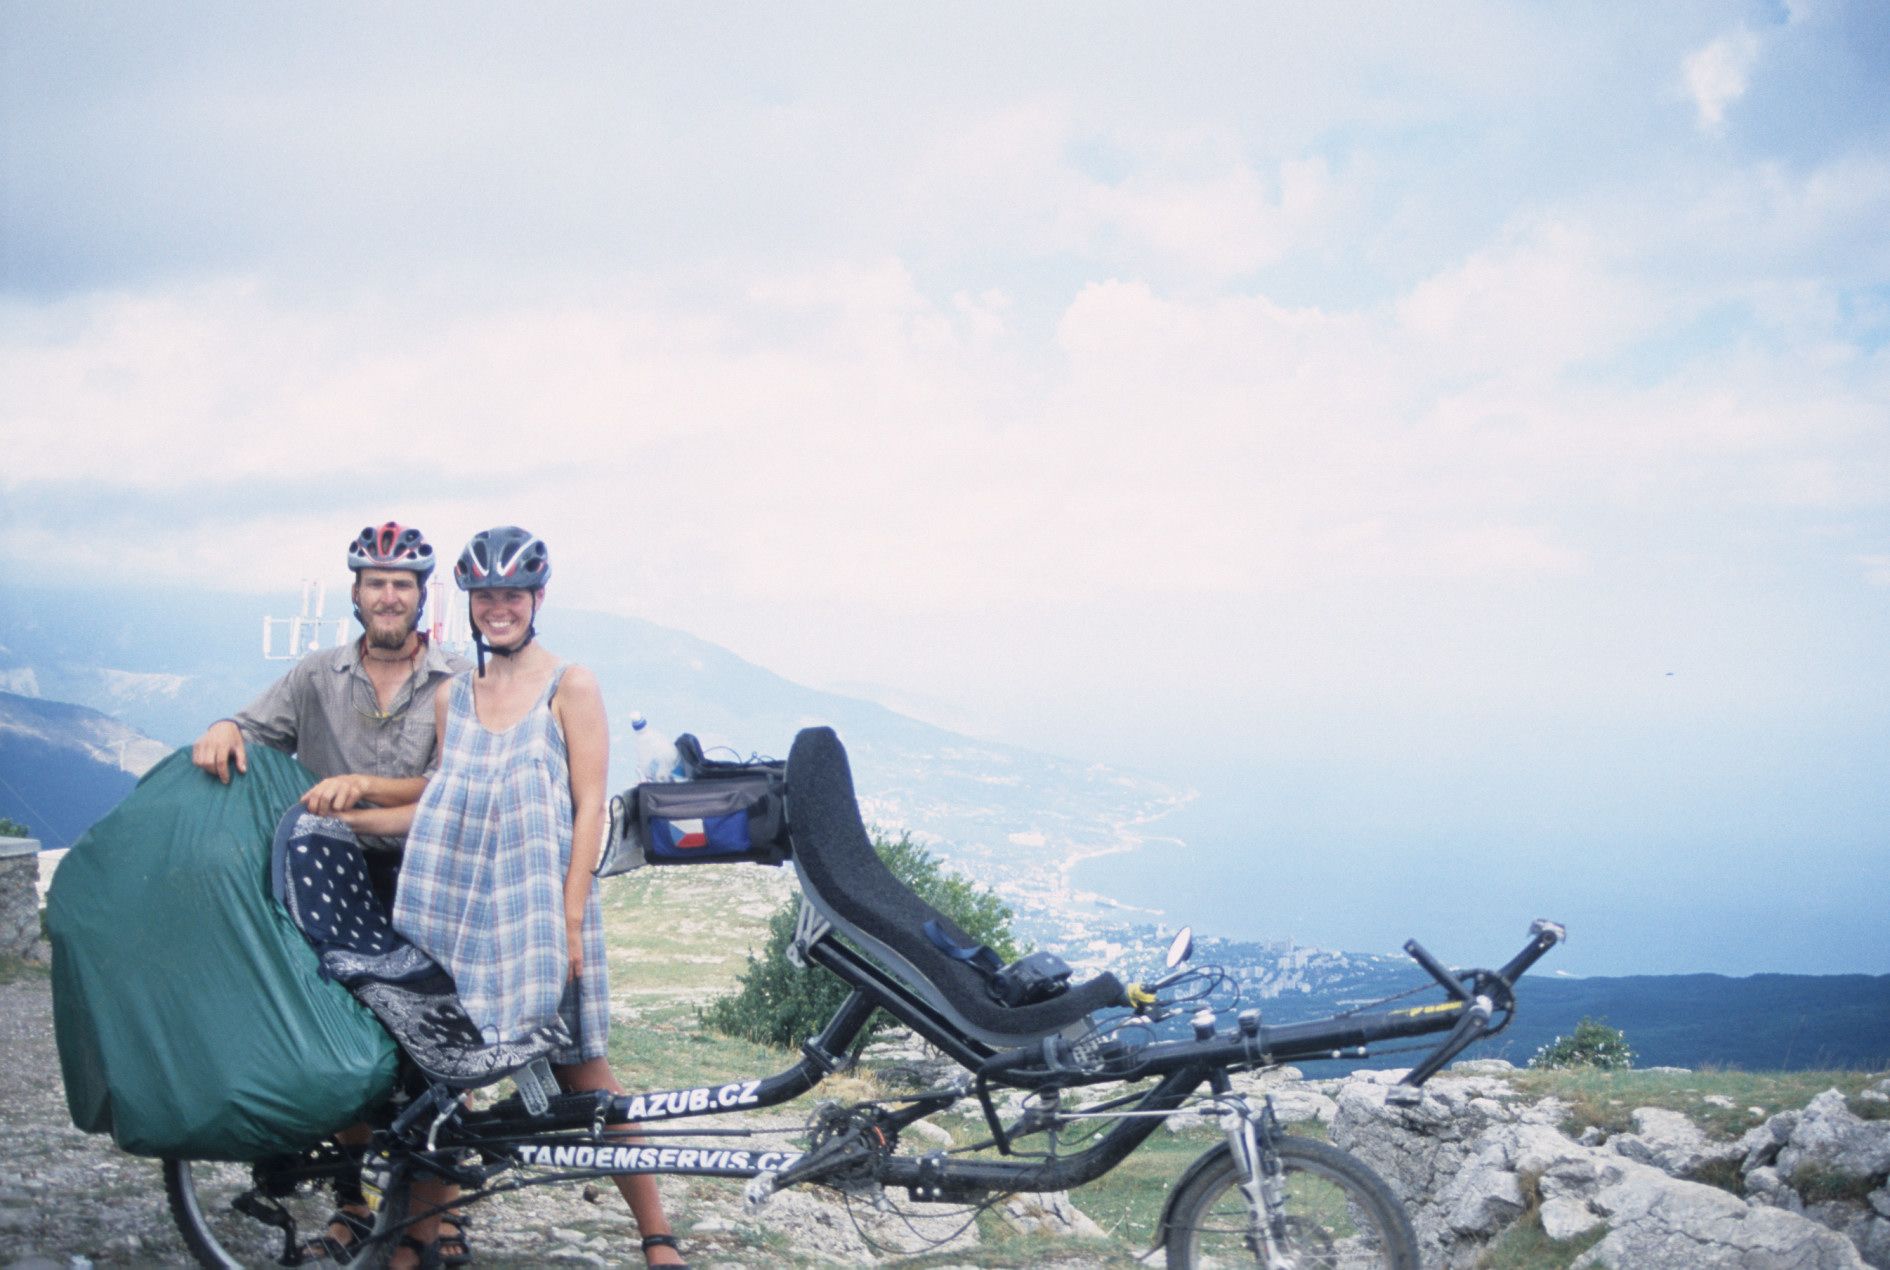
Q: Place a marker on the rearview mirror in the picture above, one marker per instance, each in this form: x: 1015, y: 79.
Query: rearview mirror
x: 1182, y: 948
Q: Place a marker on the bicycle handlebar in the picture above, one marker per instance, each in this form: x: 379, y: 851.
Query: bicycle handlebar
x: 1477, y: 997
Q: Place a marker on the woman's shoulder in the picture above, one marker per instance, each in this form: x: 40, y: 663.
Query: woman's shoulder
x: 571, y: 677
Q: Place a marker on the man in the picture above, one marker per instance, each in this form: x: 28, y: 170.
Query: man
x: 360, y: 717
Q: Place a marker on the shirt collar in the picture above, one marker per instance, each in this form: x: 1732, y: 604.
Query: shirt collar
x: 434, y: 659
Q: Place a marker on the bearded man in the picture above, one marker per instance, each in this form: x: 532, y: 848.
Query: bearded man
x: 360, y: 717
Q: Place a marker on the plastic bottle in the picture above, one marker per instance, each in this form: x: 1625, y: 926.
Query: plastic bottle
x: 656, y: 754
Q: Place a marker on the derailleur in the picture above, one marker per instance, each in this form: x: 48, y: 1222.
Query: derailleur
x: 845, y: 1145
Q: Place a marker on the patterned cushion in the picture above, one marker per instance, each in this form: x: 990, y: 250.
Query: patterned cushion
x: 320, y: 877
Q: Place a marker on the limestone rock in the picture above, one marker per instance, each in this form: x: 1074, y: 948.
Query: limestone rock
x: 1567, y: 1218
x: 1656, y: 1220
x: 1830, y: 1136
x: 1672, y: 1143
x: 1464, y: 1156
x: 927, y: 1132
x: 1050, y: 1214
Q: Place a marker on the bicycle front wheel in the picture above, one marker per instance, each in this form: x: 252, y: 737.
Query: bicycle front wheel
x: 238, y: 1215
x: 1339, y: 1215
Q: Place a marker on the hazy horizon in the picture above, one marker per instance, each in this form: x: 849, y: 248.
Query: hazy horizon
x: 1462, y: 435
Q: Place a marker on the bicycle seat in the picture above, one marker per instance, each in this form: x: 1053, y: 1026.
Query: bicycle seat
x: 849, y: 885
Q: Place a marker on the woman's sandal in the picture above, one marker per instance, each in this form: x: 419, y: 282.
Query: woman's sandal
x: 454, y: 1248
x: 428, y: 1255
x: 663, y: 1241
x: 327, y: 1247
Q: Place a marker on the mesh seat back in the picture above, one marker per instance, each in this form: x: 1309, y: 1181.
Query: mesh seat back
x: 848, y: 884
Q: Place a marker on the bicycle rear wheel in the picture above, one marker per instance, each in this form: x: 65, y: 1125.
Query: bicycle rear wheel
x: 238, y: 1215
x: 1339, y: 1215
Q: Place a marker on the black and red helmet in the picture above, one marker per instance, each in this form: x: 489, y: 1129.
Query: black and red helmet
x: 392, y: 546
x: 507, y: 557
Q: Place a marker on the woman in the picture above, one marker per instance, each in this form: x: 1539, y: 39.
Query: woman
x: 497, y: 883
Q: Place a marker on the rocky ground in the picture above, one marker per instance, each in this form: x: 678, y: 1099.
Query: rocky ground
x: 1474, y: 1160
x: 70, y: 1199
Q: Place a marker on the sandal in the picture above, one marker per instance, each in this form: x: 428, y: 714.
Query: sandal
x: 663, y: 1241
x: 326, y: 1247
x: 454, y: 1248
x: 428, y: 1255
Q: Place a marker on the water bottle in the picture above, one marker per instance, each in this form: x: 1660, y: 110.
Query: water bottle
x: 657, y: 759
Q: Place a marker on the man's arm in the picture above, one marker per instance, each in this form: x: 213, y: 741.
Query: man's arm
x: 268, y: 720
x: 396, y: 797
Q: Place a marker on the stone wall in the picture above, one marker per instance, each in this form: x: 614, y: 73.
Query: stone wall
x: 19, y: 898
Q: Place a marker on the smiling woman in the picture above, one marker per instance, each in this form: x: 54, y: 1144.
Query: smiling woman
x: 498, y: 885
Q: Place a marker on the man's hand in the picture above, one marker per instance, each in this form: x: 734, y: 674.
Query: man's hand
x: 337, y: 794
x: 213, y: 751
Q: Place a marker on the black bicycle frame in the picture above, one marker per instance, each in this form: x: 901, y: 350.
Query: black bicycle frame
x: 574, y: 1139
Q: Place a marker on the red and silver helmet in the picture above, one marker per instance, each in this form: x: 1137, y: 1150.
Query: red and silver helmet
x: 392, y: 546
x: 507, y: 557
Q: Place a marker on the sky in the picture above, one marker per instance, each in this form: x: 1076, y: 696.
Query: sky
x: 1455, y: 438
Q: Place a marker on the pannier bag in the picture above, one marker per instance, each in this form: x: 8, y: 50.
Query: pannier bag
x: 193, y: 1020
x: 724, y: 813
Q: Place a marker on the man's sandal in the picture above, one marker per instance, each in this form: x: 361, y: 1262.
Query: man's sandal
x: 663, y: 1241
x: 327, y: 1247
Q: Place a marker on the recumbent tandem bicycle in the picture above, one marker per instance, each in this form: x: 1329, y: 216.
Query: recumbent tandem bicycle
x: 1261, y: 1196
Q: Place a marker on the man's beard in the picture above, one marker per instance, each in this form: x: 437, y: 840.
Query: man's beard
x: 380, y: 635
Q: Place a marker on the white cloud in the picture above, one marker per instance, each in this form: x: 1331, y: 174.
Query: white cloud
x: 1717, y: 75
x: 1548, y: 298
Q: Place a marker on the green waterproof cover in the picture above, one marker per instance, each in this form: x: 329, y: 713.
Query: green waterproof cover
x: 192, y: 1017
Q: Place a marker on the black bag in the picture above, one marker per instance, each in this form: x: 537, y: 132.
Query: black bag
x: 724, y: 813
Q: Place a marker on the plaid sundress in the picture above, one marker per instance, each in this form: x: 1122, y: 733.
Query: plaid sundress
x: 482, y: 887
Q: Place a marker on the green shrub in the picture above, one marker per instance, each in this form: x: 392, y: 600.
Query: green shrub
x: 1821, y: 1183
x: 11, y: 828
x: 1592, y: 1044
x: 782, y: 1004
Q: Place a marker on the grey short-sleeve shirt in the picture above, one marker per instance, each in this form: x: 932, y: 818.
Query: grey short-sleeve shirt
x: 325, y: 712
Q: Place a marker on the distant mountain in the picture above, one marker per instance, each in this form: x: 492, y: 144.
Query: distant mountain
x: 169, y: 662
x: 1757, y: 1023
x: 63, y: 766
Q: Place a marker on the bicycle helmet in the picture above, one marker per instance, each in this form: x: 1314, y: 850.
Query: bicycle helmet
x: 392, y: 546
x: 505, y: 558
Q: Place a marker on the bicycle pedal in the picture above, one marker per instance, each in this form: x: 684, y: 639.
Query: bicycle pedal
x: 757, y: 1193
x: 536, y: 1086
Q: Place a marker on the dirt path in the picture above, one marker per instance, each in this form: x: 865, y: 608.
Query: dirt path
x: 64, y: 1194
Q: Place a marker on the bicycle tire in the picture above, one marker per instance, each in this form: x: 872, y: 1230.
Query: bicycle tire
x: 1340, y: 1215
x: 202, y: 1195
x: 390, y: 1221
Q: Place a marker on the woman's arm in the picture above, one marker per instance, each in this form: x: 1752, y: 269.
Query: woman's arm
x: 343, y: 793
x: 379, y: 822
x: 579, y: 709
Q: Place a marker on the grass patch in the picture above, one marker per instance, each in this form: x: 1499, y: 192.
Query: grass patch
x: 14, y: 969
x: 1526, y: 1246
x: 1606, y: 1100
x: 1724, y: 1174
x: 1819, y: 1183
x: 1869, y: 1108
